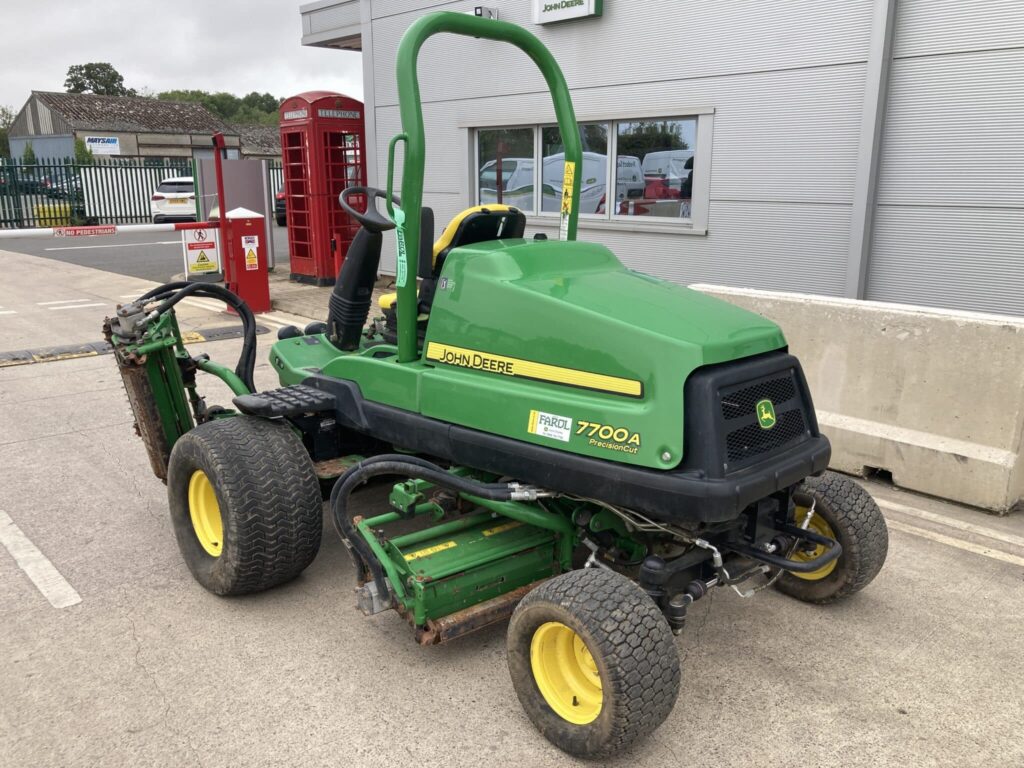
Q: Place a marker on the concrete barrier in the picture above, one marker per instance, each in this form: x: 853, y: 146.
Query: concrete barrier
x: 934, y: 397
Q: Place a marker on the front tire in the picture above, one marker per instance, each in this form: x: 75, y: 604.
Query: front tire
x: 245, y: 504
x: 846, y: 512
x: 593, y: 662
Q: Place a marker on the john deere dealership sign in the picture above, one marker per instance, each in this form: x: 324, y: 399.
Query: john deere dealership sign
x: 547, y: 11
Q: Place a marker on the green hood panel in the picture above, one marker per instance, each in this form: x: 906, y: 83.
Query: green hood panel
x: 586, y: 278
x: 574, y: 306
x: 552, y: 343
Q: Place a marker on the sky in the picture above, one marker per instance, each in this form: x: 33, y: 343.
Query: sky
x: 217, y: 45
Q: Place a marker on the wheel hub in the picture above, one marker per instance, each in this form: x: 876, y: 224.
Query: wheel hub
x: 819, y: 525
x: 205, y: 513
x: 566, y: 673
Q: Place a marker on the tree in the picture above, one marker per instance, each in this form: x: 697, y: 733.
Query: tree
x: 257, y: 108
x: 83, y: 155
x: 97, y: 77
x: 7, y: 115
x: 643, y: 136
x: 28, y: 157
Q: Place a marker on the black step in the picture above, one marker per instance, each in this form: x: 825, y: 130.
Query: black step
x: 287, y: 401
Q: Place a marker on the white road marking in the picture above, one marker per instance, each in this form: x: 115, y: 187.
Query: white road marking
x: 36, y: 566
x: 7, y: 312
x: 215, y: 306
x: 267, y: 321
x: 967, y: 546
x: 80, y: 306
x: 112, y: 245
x: 1006, y: 538
x: 62, y: 301
x: 270, y: 317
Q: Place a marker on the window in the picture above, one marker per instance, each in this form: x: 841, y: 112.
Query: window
x: 593, y: 179
x: 654, y: 161
x: 176, y: 187
x: 654, y: 172
x: 505, y: 167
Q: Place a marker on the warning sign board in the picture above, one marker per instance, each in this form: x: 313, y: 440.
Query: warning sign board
x: 251, y: 249
x: 568, y: 180
x: 202, y: 251
x: 107, y: 229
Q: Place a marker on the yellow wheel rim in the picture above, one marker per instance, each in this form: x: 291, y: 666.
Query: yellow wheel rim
x: 205, y: 513
x: 818, y: 524
x: 566, y: 673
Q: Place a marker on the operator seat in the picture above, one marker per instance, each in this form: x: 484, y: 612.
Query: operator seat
x: 474, y: 225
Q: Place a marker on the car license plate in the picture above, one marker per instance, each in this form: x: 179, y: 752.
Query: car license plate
x: 178, y: 201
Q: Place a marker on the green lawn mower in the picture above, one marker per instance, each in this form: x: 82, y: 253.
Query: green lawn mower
x: 573, y: 445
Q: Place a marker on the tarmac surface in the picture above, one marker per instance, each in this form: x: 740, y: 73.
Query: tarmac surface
x: 146, y: 255
x: 145, y: 668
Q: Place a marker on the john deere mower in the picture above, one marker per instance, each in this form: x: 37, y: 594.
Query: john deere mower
x: 568, y: 443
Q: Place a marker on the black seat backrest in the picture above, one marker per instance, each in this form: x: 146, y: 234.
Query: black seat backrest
x: 474, y: 225
x: 478, y: 225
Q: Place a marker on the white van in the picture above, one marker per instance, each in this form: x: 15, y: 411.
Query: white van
x: 517, y: 182
x: 591, y: 181
x: 629, y: 178
x: 668, y: 164
x: 517, y: 177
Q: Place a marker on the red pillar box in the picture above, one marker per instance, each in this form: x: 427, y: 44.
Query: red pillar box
x: 243, y: 236
x: 322, y: 151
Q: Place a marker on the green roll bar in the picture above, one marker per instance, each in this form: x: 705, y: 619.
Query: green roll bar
x: 408, y: 231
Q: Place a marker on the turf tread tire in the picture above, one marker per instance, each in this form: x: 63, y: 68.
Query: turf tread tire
x: 631, y: 643
x: 861, y: 530
x: 269, y: 499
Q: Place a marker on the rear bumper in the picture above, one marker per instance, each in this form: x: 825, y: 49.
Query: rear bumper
x: 166, y: 218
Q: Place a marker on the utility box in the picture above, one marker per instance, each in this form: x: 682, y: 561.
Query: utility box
x: 245, y: 258
x: 322, y: 151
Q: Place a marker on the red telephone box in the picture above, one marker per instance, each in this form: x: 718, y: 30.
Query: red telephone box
x: 322, y: 141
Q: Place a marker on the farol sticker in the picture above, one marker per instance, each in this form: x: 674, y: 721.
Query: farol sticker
x: 550, y: 425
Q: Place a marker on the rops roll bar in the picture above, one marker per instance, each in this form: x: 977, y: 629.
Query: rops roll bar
x: 408, y: 230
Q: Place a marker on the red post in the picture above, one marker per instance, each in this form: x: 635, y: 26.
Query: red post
x: 218, y: 155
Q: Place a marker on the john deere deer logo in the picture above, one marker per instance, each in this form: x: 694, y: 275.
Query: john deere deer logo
x: 766, y: 414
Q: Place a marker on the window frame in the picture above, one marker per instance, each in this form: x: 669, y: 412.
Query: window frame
x: 696, y: 224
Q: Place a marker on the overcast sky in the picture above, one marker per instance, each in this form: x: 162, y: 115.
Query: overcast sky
x: 217, y: 45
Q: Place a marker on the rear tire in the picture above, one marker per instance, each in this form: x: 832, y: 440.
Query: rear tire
x: 856, y: 522
x: 245, y: 504
x: 593, y: 662
x: 281, y: 221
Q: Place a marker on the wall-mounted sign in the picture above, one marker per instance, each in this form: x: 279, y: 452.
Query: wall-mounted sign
x: 547, y: 11
x: 103, y: 145
x: 295, y: 114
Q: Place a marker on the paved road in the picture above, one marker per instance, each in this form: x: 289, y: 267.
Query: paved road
x: 150, y: 256
x: 921, y: 669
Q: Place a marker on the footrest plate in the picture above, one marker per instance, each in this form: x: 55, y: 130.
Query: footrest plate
x: 287, y: 401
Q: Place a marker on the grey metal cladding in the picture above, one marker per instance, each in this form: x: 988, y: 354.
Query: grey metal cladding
x: 949, y: 229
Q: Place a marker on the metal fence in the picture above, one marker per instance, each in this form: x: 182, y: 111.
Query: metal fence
x: 275, y: 176
x: 115, y: 190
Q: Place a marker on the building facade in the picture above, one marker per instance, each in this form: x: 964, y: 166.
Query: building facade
x: 116, y: 125
x: 869, y: 148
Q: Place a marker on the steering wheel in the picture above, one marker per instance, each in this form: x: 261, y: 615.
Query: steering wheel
x: 373, y: 220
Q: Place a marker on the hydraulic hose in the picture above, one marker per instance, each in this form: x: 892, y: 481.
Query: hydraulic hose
x: 406, y: 466
x: 170, y: 294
